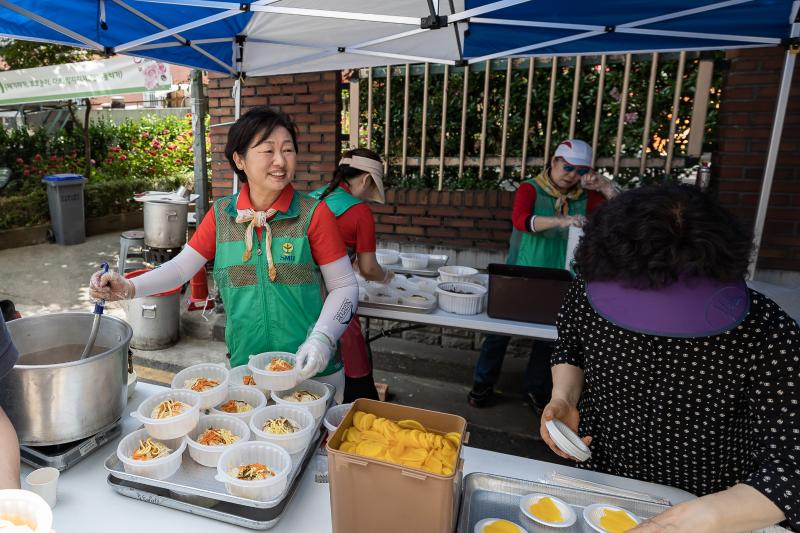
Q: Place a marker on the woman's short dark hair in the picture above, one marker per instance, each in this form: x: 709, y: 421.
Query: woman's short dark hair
x: 258, y: 122
x: 650, y: 236
x: 345, y: 172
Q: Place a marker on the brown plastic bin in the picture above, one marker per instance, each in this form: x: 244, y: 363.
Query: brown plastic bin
x: 526, y: 294
x: 371, y: 496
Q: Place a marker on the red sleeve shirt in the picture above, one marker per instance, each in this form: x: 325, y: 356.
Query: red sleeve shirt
x: 323, y: 234
x: 357, y: 227
x: 525, y: 200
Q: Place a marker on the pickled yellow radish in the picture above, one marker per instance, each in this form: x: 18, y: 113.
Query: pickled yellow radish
x: 615, y: 521
x: 547, y: 510
x: 501, y: 526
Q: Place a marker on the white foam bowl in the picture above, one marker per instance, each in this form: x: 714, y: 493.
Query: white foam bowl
x: 236, y: 378
x: 174, y: 426
x: 293, y: 442
x: 469, y: 303
x: 567, y: 513
x: 456, y: 273
x: 275, y: 457
x: 481, y: 525
x: 213, y: 396
x: 317, y: 407
x: 592, y: 514
x: 209, y: 455
x: 415, y: 261
x: 245, y: 393
x: 386, y: 257
x: 159, y: 468
x: 334, y: 417
x: 28, y: 506
x: 267, y: 379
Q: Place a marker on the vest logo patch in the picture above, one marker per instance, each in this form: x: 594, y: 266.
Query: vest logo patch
x: 288, y: 249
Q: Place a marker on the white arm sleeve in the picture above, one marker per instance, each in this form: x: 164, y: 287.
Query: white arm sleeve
x: 342, y: 302
x: 171, y: 274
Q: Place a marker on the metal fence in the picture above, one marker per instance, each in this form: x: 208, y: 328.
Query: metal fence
x: 492, y: 124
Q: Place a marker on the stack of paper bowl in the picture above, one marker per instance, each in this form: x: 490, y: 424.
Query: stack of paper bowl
x: 567, y: 440
x: 456, y: 273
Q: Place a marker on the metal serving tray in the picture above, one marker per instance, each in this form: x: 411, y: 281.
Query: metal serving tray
x: 431, y: 271
x: 490, y: 496
x: 193, y: 488
x: 398, y: 307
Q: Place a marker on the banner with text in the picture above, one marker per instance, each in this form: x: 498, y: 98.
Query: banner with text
x: 119, y: 75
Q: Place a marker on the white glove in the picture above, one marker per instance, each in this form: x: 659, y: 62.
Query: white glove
x: 313, y: 355
x: 110, y: 286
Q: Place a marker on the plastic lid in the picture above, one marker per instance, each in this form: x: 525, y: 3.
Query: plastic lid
x: 63, y: 177
x: 567, y: 440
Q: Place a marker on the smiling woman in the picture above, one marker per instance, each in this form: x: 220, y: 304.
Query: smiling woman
x: 270, y: 245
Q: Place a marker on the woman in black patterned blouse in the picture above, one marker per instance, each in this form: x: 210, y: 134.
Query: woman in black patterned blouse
x: 673, y: 371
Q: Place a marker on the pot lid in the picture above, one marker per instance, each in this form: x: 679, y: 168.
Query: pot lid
x: 164, y: 197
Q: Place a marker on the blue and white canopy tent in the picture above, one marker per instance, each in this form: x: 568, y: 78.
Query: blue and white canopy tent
x: 266, y: 37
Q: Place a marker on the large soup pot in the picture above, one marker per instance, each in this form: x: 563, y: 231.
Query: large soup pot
x: 165, y: 224
x: 51, y: 395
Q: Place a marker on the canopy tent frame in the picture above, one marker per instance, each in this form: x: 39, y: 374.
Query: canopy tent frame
x: 412, y: 27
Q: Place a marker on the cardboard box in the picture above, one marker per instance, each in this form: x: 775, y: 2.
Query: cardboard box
x: 371, y: 495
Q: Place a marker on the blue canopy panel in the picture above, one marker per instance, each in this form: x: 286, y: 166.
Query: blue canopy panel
x: 618, y: 26
x: 79, y: 24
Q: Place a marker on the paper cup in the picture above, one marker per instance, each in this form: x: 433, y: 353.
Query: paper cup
x: 44, y: 481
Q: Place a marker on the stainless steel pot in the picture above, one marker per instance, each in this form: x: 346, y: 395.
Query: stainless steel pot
x: 165, y: 224
x: 155, y: 320
x: 53, y: 397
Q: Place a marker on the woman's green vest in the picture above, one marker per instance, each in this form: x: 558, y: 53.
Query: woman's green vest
x: 338, y: 201
x: 266, y: 316
x: 544, y: 248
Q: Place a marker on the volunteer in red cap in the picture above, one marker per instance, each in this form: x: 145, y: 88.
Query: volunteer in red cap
x: 544, y: 208
x: 357, y: 179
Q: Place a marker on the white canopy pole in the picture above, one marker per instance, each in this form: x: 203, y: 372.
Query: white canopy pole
x: 774, y: 143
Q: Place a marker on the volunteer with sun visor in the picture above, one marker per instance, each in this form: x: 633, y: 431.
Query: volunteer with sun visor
x: 358, y: 178
x: 270, y: 246
x: 544, y: 208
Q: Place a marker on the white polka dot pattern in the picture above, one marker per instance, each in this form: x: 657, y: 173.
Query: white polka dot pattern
x: 701, y: 414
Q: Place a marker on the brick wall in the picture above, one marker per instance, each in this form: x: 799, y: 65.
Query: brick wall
x: 312, y: 100
x: 750, y: 90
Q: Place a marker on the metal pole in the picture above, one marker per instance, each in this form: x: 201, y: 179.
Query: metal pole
x: 199, y: 145
x: 772, y: 152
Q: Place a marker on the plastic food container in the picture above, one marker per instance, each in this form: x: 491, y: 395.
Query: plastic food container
x: 468, y: 300
x: 419, y: 299
x: 26, y: 506
x: 316, y: 407
x: 210, y: 397
x: 293, y: 442
x: 382, y: 295
x: 334, y: 417
x: 236, y: 379
x: 209, y: 455
x: 245, y: 393
x: 174, y: 426
x: 267, y: 379
x: 423, y: 284
x: 386, y: 257
x: 414, y: 260
x: 456, y: 273
x: 159, y: 468
x: 275, y: 457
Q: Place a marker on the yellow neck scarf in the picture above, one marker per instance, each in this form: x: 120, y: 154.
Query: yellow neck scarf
x: 257, y: 219
x: 562, y: 199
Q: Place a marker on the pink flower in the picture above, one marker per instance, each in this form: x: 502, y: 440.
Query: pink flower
x: 123, y: 157
x: 37, y: 157
x: 172, y: 146
x: 178, y: 161
x: 145, y: 135
x: 109, y: 160
x: 614, y: 93
x: 188, y: 115
x: 631, y: 117
x: 26, y: 172
x: 152, y: 152
x: 20, y: 160
x: 164, y: 132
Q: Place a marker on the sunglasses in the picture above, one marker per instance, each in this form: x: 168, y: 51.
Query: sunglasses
x: 580, y: 171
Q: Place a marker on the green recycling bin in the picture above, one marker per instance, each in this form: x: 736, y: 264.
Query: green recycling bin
x: 65, y: 199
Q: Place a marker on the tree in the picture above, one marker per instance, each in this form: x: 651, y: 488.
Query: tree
x: 27, y: 54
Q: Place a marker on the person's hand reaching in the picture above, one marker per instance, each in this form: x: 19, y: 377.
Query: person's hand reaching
x: 110, y: 286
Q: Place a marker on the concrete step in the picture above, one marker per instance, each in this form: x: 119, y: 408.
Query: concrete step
x: 508, y: 426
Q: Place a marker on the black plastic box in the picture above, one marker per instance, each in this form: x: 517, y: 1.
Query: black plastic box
x: 526, y: 294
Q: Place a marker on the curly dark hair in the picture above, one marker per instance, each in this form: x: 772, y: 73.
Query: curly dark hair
x: 259, y: 122
x: 650, y: 236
